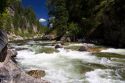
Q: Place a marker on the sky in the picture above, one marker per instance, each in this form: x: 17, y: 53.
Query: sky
x: 40, y: 9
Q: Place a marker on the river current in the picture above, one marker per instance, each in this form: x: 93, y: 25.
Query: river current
x: 71, y: 66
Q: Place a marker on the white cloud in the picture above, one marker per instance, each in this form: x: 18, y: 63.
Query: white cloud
x: 42, y: 20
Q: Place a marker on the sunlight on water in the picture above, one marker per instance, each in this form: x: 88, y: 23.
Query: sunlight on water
x: 112, y: 50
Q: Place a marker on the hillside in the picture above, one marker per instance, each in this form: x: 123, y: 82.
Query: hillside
x: 19, y: 21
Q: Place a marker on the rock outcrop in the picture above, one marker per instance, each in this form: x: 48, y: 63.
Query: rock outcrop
x: 10, y: 72
x: 3, y: 45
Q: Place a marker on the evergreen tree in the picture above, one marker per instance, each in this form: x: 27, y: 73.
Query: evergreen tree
x: 57, y: 9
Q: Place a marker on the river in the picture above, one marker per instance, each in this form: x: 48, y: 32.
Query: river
x: 71, y: 66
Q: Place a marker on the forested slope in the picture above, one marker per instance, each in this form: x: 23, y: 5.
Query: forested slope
x: 16, y: 19
x: 101, y: 20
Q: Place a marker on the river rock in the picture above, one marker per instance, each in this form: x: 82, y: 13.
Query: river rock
x: 58, y: 46
x: 65, y: 39
x: 14, y: 53
x: 11, y: 73
x: 83, y: 48
x: 36, y: 73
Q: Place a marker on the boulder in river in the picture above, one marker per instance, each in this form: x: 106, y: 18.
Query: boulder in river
x: 58, y: 46
x: 83, y: 48
x: 36, y: 73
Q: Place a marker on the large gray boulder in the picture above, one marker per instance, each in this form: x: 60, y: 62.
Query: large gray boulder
x: 3, y: 45
x: 85, y: 47
x: 10, y: 72
x: 3, y: 39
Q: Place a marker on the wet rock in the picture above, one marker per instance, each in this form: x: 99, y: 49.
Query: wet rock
x: 58, y: 46
x: 76, y: 48
x: 3, y: 54
x: 19, y: 49
x: 14, y: 53
x: 4, y: 75
x: 83, y: 48
x: 3, y: 45
x: 10, y: 72
x: 121, y: 72
x: 95, y: 49
x: 65, y: 39
x: 48, y: 37
x: 36, y: 73
x: 3, y: 39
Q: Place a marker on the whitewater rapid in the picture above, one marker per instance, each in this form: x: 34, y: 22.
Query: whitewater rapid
x: 68, y: 66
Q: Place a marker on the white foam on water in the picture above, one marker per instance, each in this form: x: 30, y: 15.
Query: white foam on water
x: 59, y: 67
x: 55, y: 64
x: 105, y: 61
x: 113, y: 50
x: 102, y: 76
x: 82, y: 44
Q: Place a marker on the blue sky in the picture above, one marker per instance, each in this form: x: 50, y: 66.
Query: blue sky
x: 39, y: 7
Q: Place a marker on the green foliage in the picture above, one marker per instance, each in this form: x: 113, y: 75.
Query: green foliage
x: 3, y: 4
x: 18, y: 20
x: 103, y: 19
x: 57, y: 8
x: 5, y: 21
x: 73, y: 29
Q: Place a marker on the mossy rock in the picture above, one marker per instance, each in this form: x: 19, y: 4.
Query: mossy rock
x: 109, y: 55
x: 96, y: 49
x: 36, y: 73
x: 46, y: 50
x: 73, y: 47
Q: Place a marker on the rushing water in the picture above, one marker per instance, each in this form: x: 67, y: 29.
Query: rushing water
x: 68, y: 66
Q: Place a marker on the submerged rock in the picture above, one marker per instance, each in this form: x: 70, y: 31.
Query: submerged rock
x: 121, y: 72
x: 36, y: 73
